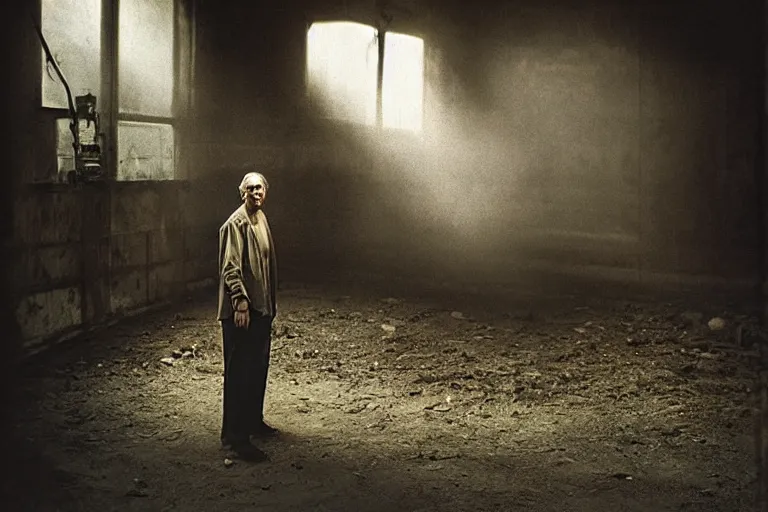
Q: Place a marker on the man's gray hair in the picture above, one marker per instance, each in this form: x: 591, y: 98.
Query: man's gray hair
x: 241, y: 187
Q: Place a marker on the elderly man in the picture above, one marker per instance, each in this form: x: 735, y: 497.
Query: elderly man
x: 247, y: 284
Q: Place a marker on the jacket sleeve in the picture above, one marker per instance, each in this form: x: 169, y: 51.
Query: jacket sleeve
x: 231, y: 245
x: 272, y: 271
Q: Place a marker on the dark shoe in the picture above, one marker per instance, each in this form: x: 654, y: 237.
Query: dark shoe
x: 264, y: 430
x: 246, y: 451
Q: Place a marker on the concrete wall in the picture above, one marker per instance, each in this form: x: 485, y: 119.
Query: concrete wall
x: 81, y: 255
x: 632, y: 125
x: 595, y: 138
x: 89, y: 253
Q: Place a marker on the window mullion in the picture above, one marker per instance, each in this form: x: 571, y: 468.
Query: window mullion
x: 141, y: 118
x: 382, y: 35
x: 109, y: 85
x: 183, y: 76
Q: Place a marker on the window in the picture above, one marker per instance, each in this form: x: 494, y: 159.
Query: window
x: 342, y: 60
x: 72, y: 29
x: 145, y: 150
x: 403, y: 86
x: 343, y: 71
x: 147, y: 88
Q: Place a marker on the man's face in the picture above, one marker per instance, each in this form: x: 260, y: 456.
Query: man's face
x: 255, y: 192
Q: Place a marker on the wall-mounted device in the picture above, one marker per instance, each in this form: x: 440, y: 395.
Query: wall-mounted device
x: 86, y: 145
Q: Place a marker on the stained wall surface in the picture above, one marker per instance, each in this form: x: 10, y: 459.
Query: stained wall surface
x: 609, y: 140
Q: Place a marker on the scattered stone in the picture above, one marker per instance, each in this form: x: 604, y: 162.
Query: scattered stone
x: 716, y: 324
x: 307, y: 354
x: 396, y: 322
x: 187, y: 354
x: 137, y: 493
x: 168, y: 361
x: 388, y: 328
x: 580, y: 330
x: 458, y: 315
x: 426, y: 378
x: 177, y: 354
x: 229, y: 463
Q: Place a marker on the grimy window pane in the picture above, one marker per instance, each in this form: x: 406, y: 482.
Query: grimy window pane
x: 146, y: 57
x: 72, y: 29
x: 145, y: 151
x: 65, y: 153
x: 342, y: 60
x: 402, y: 90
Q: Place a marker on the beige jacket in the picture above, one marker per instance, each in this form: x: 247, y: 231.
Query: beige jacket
x: 247, y: 265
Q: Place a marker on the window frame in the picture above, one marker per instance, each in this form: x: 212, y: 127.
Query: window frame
x: 380, y: 33
x: 108, y: 105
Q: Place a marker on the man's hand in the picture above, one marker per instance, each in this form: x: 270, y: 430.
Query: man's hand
x: 242, y: 315
x: 242, y: 318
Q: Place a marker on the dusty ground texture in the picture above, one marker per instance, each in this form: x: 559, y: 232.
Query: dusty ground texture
x: 453, y: 402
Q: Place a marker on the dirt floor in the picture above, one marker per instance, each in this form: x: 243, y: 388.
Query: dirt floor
x: 453, y: 402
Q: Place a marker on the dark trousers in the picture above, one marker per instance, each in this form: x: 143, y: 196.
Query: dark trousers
x: 246, y: 366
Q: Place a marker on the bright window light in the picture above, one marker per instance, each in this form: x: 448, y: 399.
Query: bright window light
x: 342, y: 61
x: 72, y: 29
x: 146, y: 56
x: 402, y: 92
